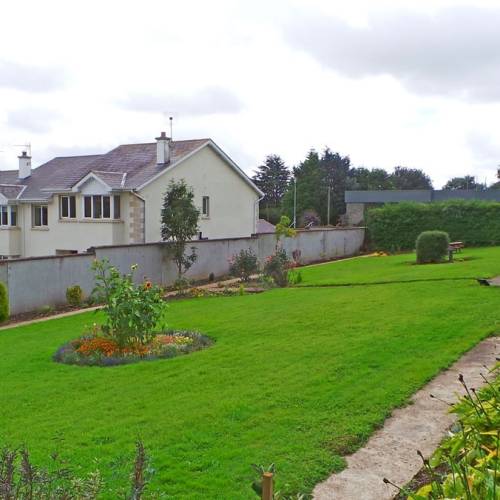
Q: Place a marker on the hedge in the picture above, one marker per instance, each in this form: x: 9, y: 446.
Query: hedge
x: 396, y: 226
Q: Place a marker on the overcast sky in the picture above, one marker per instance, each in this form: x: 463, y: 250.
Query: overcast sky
x: 391, y: 82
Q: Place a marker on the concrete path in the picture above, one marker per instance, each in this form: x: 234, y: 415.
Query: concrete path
x: 45, y: 318
x: 391, y: 451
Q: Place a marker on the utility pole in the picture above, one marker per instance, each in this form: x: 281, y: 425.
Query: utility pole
x: 328, y: 208
x: 294, y: 201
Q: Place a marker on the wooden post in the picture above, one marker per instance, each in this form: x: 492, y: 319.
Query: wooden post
x: 267, y: 486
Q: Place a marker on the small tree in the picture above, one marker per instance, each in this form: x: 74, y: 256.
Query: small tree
x: 179, y: 223
x: 283, y: 229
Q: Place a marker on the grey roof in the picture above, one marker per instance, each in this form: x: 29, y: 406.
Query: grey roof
x: 125, y: 167
x: 60, y: 173
x: 11, y: 192
x: 263, y: 226
x: 425, y: 196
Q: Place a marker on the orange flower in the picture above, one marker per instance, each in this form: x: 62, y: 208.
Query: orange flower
x: 101, y: 345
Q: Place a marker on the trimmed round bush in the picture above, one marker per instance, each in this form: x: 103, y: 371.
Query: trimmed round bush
x: 4, y: 302
x: 432, y: 246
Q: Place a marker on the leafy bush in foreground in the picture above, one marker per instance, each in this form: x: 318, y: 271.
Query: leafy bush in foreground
x: 470, y: 456
x: 20, y: 479
x: 395, y: 226
x: 432, y: 246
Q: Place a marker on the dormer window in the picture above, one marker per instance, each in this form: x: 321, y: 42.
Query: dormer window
x: 101, y: 207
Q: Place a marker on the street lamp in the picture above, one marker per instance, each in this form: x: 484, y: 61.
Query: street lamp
x: 294, y: 201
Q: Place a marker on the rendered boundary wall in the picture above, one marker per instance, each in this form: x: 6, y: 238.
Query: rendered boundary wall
x: 41, y: 281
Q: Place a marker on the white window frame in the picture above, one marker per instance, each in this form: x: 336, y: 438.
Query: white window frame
x: 40, y: 207
x: 205, y: 213
x: 8, y: 210
x: 68, y: 197
x: 111, y: 198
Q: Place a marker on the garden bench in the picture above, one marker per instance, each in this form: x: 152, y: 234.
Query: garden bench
x: 455, y: 246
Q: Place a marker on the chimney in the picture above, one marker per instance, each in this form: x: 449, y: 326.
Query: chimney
x: 162, y: 149
x: 24, y: 165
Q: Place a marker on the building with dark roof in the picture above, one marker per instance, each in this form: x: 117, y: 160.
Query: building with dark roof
x: 72, y: 203
x: 358, y: 201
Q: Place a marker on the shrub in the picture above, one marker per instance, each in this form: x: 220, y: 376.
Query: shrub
x: 276, y: 267
x: 466, y: 464
x: 432, y: 246
x: 133, y: 312
x: 396, y: 226
x: 74, y: 295
x: 244, y: 264
x: 4, y: 302
x: 20, y: 478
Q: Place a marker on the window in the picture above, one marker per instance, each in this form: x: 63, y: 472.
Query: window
x: 67, y: 209
x: 116, y: 206
x: 13, y: 215
x: 8, y: 215
x: 99, y: 207
x: 4, y: 215
x: 40, y: 216
x: 205, y: 211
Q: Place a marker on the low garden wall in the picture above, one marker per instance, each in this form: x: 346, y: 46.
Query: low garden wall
x: 42, y: 281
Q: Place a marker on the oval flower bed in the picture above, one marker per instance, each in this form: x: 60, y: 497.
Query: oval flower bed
x: 103, y: 351
x: 134, y: 324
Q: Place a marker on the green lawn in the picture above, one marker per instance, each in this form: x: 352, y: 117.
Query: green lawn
x: 297, y: 376
x: 470, y: 263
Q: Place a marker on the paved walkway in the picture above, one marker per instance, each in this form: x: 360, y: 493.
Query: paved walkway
x: 391, y: 451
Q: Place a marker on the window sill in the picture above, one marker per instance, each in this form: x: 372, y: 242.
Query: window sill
x: 9, y: 228
x: 94, y: 221
x: 205, y: 217
x: 37, y: 228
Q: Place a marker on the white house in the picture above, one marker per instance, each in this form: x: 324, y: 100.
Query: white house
x: 70, y: 204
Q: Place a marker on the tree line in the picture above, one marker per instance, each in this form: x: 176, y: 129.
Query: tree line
x: 317, y: 185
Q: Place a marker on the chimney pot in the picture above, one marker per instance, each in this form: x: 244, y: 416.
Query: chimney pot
x: 24, y: 165
x: 162, y: 149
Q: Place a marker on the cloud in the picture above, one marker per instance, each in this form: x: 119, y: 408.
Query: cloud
x: 454, y: 53
x: 29, y: 78
x: 35, y: 120
x: 484, y: 147
x: 206, y: 101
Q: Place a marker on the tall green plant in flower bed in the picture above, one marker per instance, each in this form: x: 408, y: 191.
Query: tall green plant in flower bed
x: 396, y: 226
x: 133, y: 311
